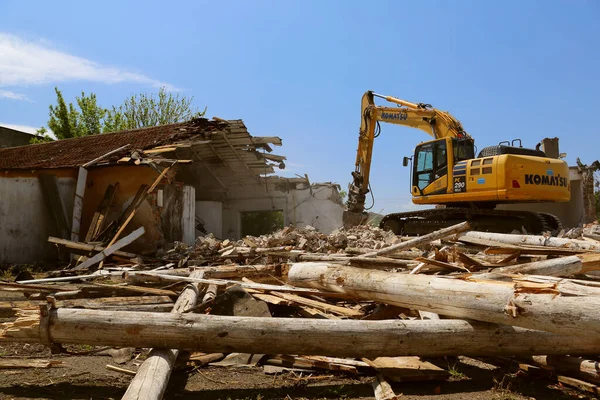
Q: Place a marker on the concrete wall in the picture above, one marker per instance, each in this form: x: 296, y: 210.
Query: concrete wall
x: 13, y: 138
x: 211, y: 213
x: 571, y: 214
x: 318, y: 206
x: 25, y: 222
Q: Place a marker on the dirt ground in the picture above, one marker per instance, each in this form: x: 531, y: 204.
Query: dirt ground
x: 86, y: 377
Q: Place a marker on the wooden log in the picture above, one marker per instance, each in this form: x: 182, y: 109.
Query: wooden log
x: 532, y: 240
x: 576, y: 367
x: 421, y: 240
x: 534, y: 307
x: 8, y: 308
x: 564, y: 266
x: 223, y: 334
x: 592, y: 236
x: 150, y: 382
x: 111, y: 249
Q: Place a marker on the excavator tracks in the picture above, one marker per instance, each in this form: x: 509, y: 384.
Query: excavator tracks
x: 501, y: 221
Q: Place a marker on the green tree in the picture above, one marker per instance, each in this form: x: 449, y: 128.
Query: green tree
x: 86, y: 117
x: 70, y: 121
x: 142, y: 110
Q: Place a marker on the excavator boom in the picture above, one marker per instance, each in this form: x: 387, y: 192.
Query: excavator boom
x: 436, y: 123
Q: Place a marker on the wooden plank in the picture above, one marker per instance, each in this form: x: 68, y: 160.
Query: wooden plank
x: 86, y: 247
x: 55, y: 204
x: 319, y: 305
x: 267, y: 140
x: 110, y: 249
x: 102, y: 157
x: 441, y: 264
x: 99, y: 217
x: 78, y: 203
x: 407, y: 369
x: 382, y: 389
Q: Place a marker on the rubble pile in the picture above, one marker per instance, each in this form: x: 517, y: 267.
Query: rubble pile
x: 290, y: 238
x: 356, y: 301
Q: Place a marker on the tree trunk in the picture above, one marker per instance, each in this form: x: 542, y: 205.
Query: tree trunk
x: 336, y: 338
x: 564, y: 266
x: 532, y: 240
x: 150, y: 381
x: 570, y: 366
x: 521, y: 304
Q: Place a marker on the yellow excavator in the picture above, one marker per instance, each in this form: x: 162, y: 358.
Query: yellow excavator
x: 446, y: 173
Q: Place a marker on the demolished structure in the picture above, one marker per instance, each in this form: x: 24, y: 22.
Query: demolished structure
x: 211, y: 173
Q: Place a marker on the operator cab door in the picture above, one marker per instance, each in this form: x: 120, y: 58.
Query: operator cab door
x: 430, y: 170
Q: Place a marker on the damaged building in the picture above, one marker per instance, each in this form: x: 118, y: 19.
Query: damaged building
x: 177, y: 181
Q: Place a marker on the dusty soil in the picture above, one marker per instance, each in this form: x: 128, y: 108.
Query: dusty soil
x: 86, y: 377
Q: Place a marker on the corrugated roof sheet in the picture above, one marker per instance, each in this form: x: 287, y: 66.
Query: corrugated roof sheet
x: 78, y: 151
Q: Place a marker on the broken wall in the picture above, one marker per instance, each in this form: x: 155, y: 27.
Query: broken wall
x: 318, y: 205
x: 25, y: 222
x: 167, y: 214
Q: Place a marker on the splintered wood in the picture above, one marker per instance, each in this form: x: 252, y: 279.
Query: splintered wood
x: 356, y: 301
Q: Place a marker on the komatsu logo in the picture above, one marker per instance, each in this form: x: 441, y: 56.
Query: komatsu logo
x: 531, y: 179
x: 401, y: 116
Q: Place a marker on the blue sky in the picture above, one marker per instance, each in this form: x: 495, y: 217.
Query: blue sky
x: 298, y: 70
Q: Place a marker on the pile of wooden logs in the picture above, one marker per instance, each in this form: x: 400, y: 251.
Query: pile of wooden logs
x: 353, y: 301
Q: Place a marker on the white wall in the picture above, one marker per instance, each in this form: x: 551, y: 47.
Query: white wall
x: 25, y: 222
x: 211, y: 212
x: 318, y: 206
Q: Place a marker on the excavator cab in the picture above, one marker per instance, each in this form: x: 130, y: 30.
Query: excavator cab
x: 432, y: 160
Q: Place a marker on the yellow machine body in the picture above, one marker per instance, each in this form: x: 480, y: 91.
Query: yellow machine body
x: 505, y: 178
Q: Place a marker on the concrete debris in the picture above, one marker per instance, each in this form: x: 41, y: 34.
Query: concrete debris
x: 307, y: 239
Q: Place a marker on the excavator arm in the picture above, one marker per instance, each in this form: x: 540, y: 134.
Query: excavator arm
x: 436, y: 123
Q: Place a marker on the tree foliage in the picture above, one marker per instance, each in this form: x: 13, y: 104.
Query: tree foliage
x: 86, y: 117
x: 141, y: 110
